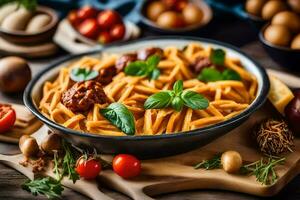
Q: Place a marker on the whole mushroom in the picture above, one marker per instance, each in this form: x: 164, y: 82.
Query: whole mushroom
x: 28, y: 146
x: 231, y: 161
x: 14, y: 74
x: 51, y: 143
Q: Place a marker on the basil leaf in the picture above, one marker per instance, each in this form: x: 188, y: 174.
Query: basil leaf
x: 210, y: 75
x: 178, y: 87
x: 194, y: 100
x: 153, y: 61
x: 120, y: 116
x: 229, y: 74
x: 177, y: 104
x: 144, y: 68
x: 158, y: 100
x: 83, y: 74
x: 136, y: 68
x: 217, y: 56
x: 155, y: 74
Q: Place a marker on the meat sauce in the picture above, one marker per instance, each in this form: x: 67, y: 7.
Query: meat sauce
x: 83, y: 95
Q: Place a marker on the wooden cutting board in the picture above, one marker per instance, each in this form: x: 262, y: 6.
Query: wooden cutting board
x: 26, y: 124
x: 176, y: 173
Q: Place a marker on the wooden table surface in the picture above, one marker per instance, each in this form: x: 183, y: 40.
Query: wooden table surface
x: 228, y: 30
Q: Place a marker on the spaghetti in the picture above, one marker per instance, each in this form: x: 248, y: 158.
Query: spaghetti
x: 227, y: 98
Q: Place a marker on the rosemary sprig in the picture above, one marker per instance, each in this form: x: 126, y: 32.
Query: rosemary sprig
x: 49, y: 187
x: 27, y: 4
x: 214, y: 163
x: 264, y: 170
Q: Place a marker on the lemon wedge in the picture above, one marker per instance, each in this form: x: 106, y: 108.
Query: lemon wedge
x: 279, y: 95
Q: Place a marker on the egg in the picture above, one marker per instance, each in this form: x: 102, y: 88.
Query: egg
x: 6, y: 10
x: 278, y: 35
x: 37, y: 23
x: 170, y: 19
x: 254, y: 7
x: 192, y: 14
x: 288, y: 19
x: 16, y: 21
x: 272, y: 7
x: 154, y: 9
x: 296, y: 42
x: 295, y: 5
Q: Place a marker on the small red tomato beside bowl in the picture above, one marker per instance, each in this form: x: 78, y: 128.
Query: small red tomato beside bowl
x: 102, y: 26
x: 126, y: 166
x: 88, y: 168
x: 7, y: 117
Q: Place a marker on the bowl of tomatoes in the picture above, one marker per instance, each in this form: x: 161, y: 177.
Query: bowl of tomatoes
x: 89, y: 26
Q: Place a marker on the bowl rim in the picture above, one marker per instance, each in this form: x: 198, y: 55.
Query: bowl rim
x: 274, y: 46
x: 257, y: 103
x: 201, y: 4
x: 45, y: 10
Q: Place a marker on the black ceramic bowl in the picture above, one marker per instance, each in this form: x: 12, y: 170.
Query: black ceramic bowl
x: 207, y: 17
x: 285, y: 56
x: 256, y: 22
x: 149, y: 146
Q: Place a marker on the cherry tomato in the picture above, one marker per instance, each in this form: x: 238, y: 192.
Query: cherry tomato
x: 7, y: 117
x: 89, y: 28
x: 117, y: 32
x: 88, y: 169
x: 108, y: 18
x: 73, y: 18
x: 104, y: 37
x: 87, y: 12
x: 126, y: 166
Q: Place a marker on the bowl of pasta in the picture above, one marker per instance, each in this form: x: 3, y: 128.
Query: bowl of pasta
x: 151, y: 97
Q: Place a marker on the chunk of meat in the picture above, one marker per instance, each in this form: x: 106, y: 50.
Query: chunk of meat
x: 83, y: 95
x: 106, y: 75
x: 124, y: 60
x: 200, y: 63
x: 146, y: 53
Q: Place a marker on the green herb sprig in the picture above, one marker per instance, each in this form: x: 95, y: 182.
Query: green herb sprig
x: 69, y: 162
x: 27, y: 4
x: 83, y: 74
x: 176, y: 98
x: 211, y: 75
x: 49, y: 187
x: 120, y: 116
x: 213, y: 163
x: 263, y: 170
x: 146, y: 68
